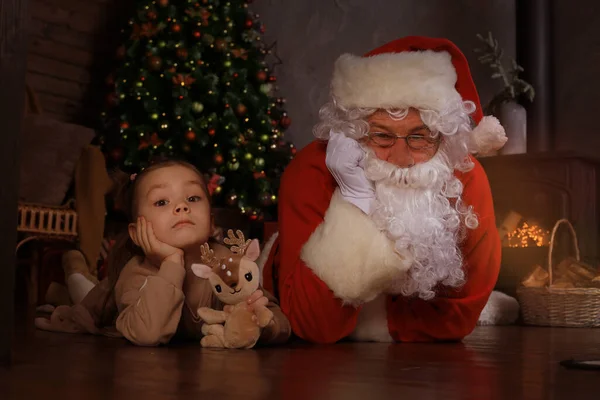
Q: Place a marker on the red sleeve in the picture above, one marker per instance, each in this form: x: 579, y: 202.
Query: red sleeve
x: 306, y: 190
x: 453, y: 315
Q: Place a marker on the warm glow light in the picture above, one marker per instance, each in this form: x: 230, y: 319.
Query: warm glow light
x: 528, y: 236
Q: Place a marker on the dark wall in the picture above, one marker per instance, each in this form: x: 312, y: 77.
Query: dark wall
x: 71, y: 51
x: 311, y: 34
x: 576, y: 69
x: 13, y: 49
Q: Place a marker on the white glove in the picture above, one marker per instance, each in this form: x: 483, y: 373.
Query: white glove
x: 344, y: 161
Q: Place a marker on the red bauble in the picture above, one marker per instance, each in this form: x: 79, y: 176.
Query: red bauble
x: 197, y: 34
x: 121, y: 51
x: 211, y: 132
x: 241, y: 109
x: 182, y: 53
x: 220, y: 44
x: 154, y: 63
x: 285, y: 122
x: 262, y: 29
x: 116, y: 154
x: 190, y: 135
x: 163, y: 3
x: 112, y: 99
x: 124, y: 125
x: 272, y: 78
x: 151, y: 15
x: 261, y: 76
x: 218, y: 159
x: 273, y: 122
x: 249, y: 23
x: 176, y: 28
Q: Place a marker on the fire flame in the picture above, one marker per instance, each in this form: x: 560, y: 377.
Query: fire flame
x: 528, y: 236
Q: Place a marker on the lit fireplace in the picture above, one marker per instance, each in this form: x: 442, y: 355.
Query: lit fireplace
x: 524, y: 244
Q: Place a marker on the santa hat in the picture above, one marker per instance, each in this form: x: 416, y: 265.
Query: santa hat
x: 415, y: 71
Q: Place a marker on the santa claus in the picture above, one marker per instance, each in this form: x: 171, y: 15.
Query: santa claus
x: 387, y: 227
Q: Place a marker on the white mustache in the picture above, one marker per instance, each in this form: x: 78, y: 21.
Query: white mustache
x: 425, y: 175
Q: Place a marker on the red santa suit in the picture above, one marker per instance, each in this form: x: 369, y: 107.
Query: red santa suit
x: 328, y: 249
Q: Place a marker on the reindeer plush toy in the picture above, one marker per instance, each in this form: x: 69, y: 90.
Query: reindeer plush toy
x: 234, y: 277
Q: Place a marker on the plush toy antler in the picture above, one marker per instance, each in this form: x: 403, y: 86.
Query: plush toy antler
x: 238, y: 244
x: 208, y: 256
x: 233, y: 278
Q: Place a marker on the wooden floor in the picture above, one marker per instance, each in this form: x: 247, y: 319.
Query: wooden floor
x: 492, y: 363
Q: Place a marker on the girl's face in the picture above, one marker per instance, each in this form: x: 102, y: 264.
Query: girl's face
x: 174, y: 200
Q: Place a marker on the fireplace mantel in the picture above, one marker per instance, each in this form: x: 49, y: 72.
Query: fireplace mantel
x: 548, y: 186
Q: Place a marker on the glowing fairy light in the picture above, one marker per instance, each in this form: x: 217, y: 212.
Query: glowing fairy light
x: 528, y: 236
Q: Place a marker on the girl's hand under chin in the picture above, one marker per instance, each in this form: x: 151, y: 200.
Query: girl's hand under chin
x: 155, y: 251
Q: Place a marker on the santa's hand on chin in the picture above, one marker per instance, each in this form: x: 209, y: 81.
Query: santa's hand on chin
x: 344, y: 160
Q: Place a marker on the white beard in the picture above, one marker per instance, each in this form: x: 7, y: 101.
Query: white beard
x: 413, y: 207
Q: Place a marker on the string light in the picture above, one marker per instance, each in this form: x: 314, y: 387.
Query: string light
x: 528, y: 236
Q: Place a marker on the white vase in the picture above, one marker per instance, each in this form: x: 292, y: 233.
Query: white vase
x: 513, y: 118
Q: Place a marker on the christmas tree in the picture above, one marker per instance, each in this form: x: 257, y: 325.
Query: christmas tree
x: 194, y: 82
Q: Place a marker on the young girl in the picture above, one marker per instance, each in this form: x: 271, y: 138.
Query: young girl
x: 151, y: 293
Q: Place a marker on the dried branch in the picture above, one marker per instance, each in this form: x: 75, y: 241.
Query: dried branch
x: 514, y: 87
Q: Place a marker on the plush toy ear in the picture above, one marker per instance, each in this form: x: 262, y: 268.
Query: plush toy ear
x: 201, y: 270
x: 253, y: 250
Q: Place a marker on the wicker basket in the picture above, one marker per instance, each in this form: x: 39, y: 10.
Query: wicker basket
x: 548, y: 306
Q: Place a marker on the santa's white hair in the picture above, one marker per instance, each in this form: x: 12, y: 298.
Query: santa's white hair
x: 420, y: 207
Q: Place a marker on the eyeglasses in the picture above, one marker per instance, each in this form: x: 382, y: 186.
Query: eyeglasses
x: 415, y: 142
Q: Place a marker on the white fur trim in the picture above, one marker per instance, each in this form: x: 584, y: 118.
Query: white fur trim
x: 372, y: 325
x: 264, y: 255
x: 423, y: 79
x: 349, y: 253
x: 488, y: 136
x: 500, y: 309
